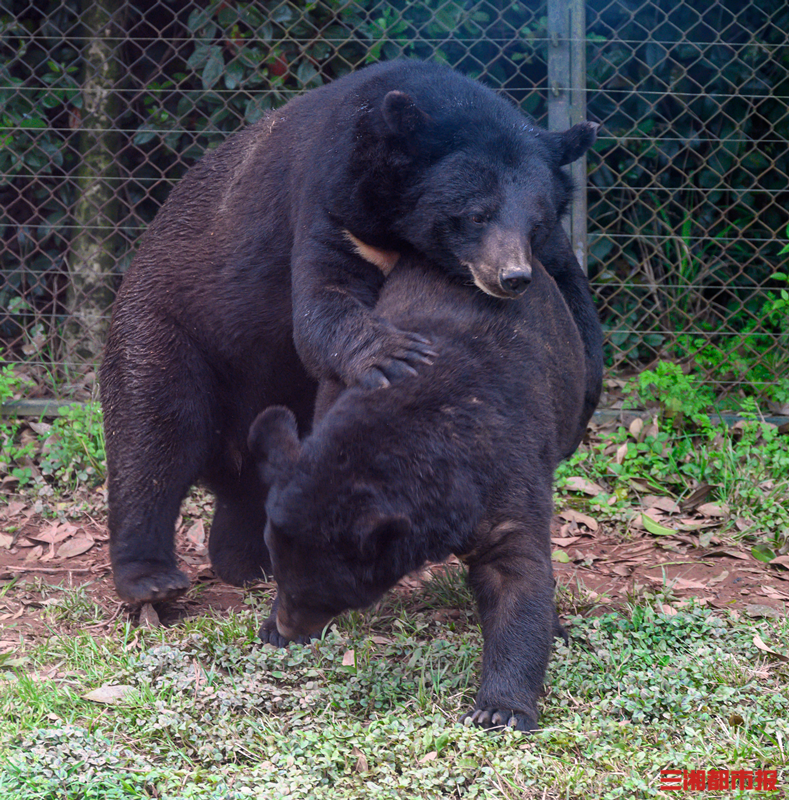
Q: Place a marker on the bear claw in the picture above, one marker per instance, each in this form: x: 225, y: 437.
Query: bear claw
x: 145, y: 583
x: 498, y: 719
x: 270, y: 635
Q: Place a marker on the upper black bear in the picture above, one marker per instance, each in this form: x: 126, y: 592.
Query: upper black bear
x: 456, y: 459
x: 260, y: 273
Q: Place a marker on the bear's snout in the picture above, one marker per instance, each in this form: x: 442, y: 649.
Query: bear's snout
x: 514, y: 281
x: 294, y: 624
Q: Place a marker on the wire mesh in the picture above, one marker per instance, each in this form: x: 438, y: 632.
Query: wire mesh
x: 688, y: 200
x: 104, y: 104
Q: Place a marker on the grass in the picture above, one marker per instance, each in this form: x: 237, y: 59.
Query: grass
x: 371, y: 710
x: 211, y: 713
x: 680, y: 449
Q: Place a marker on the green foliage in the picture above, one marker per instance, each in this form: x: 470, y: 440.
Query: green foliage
x: 747, y: 468
x: 13, y: 453
x: 707, y: 166
x: 38, y: 91
x: 214, y: 716
x: 68, y: 453
x: 686, y: 204
x: 196, y: 73
x: 756, y: 358
x: 74, y: 452
x: 680, y: 397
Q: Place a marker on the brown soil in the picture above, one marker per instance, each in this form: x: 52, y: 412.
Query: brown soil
x: 39, y: 557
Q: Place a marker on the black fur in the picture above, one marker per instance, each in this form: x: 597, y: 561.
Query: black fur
x: 455, y: 459
x: 251, y: 284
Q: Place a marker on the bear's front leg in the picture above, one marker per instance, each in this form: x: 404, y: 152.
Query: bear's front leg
x: 516, y: 605
x: 336, y: 332
x: 557, y: 256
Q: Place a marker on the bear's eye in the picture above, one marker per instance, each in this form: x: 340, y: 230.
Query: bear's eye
x: 478, y: 219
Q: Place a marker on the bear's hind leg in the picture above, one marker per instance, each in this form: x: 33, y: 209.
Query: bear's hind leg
x: 158, y: 429
x: 143, y: 509
x: 236, y: 545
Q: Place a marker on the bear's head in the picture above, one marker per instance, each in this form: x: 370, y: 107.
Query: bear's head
x: 332, y: 540
x: 469, y: 181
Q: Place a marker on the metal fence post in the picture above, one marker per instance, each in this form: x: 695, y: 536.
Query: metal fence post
x: 567, y: 99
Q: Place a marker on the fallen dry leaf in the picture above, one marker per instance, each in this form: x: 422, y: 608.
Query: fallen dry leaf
x: 110, y: 694
x: 683, y: 583
x: 728, y: 552
x: 696, y: 497
x: 758, y: 610
x: 196, y: 534
x: 148, y: 617
x: 35, y: 553
x: 579, y: 484
x: 713, y: 510
x: 571, y: 515
x: 564, y: 541
x: 666, y: 505
x: 361, y: 760
x: 76, y: 546
x: 757, y: 640
x: 12, y: 509
x: 718, y: 578
x: 349, y: 658
x: 622, y: 569
x: 431, y: 756
x: 40, y: 428
x: 23, y: 541
x: 57, y: 532
x: 774, y: 594
x: 652, y: 429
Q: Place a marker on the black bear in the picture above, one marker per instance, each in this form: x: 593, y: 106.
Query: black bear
x: 260, y: 273
x: 455, y: 459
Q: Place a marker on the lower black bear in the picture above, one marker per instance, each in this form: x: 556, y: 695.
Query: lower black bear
x: 455, y: 459
x: 260, y: 273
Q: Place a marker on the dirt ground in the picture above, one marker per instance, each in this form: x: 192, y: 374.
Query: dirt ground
x: 603, y: 570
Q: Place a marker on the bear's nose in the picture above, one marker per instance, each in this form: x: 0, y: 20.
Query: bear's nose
x: 515, y: 283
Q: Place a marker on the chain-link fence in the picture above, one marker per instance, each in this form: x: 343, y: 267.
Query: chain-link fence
x: 106, y: 103
x: 688, y: 200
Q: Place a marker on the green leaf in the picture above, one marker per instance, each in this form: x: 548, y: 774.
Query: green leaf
x: 560, y: 556
x: 308, y: 75
x: 214, y: 67
x: 144, y: 134
x: 654, y: 528
x: 234, y: 75
x: 282, y: 14
x: 199, y: 57
x: 761, y: 552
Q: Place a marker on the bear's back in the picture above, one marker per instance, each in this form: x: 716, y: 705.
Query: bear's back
x: 508, y: 348
x: 508, y: 379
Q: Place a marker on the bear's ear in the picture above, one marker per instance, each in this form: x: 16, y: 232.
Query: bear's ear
x: 379, y: 535
x: 403, y: 115
x: 573, y: 143
x: 274, y: 442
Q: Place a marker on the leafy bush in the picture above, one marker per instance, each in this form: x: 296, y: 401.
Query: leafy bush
x: 74, y: 448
